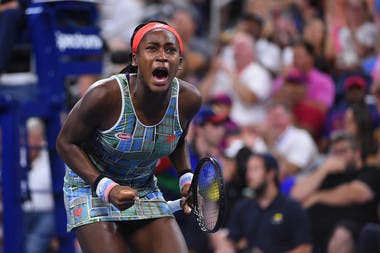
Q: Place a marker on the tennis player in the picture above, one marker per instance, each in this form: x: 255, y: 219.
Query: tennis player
x: 111, y: 141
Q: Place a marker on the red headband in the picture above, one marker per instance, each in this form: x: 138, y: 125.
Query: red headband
x: 150, y: 26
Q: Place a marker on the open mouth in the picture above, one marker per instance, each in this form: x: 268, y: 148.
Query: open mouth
x: 160, y: 74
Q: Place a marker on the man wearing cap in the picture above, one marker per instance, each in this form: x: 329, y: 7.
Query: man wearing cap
x: 355, y: 91
x: 267, y: 221
x: 208, y: 133
x: 293, y: 94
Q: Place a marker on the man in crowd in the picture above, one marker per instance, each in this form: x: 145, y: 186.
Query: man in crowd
x: 341, y: 196
x: 267, y: 221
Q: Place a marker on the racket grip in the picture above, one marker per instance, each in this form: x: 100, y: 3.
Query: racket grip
x: 175, y: 205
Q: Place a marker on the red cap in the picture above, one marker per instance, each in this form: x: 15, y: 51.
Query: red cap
x: 355, y: 80
x: 207, y: 115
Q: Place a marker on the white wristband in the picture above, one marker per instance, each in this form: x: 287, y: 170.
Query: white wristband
x: 104, y: 188
x: 185, y: 179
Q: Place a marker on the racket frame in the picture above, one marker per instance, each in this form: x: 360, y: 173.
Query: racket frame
x: 192, y: 200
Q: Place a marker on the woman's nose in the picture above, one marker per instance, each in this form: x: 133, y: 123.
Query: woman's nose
x: 161, y: 55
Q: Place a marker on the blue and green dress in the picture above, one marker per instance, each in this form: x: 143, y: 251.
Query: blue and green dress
x: 127, y: 153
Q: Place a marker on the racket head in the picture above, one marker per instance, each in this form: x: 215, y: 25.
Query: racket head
x: 207, y: 194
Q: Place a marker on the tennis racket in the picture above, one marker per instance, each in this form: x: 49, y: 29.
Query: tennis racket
x: 206, y: 195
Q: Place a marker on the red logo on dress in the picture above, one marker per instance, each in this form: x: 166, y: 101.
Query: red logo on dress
x: 171, y: 138
x: 78, y: 212
x: 123, y: 136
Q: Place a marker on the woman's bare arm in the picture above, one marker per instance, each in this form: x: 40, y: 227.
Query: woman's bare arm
x: 190, y: 101
x: 89, y: 114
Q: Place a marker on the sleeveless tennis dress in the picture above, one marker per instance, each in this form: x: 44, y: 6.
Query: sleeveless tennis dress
x: 127, y: 153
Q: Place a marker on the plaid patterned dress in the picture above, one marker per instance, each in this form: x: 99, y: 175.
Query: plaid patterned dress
x: 127, y: 153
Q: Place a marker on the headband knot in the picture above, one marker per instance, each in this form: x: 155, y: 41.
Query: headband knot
x: 149, y: 27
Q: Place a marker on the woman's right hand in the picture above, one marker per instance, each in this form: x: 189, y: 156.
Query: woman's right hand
x: 123, y: 197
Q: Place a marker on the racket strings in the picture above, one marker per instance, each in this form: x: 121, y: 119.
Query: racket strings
x: 208, y: 196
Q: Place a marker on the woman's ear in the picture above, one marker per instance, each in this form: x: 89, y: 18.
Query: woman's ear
x: 180, y: 66
x: 133, y: 58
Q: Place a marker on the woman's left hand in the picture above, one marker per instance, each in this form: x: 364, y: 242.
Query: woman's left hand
x: 185, y: 193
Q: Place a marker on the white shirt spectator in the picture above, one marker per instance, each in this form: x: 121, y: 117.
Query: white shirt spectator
x: 269, y: 55
x: 366, y: 35
x: 39, y: 180
x: 298, y: 147
x: 115, y: 24
x: 258, y: 80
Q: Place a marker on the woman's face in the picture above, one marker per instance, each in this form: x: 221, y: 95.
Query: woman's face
x: 314, y: 32
x: 278, y: 119
x: 355, y: 12
x: 294, y: 92
x: 302, y: 60
x: 349, y: 122
x: 158, y: 59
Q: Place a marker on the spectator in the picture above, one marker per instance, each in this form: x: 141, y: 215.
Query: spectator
x: 39, y: 215
x: 335, y: 19
x: 208, y: 132
x: 284, y: 34
x: 268, y: 53
x: 236, y: 185
x: 117, y: 28
x: 375, y: 92
x: 278, y: 32
x: 240, y: 76
x: 315, y: 33
x: 294, y: 148
x: 349, y: 30
x: 376, y: 70
x: 268, y: 222
x: 293, y: 94
x: 197, y: 49
x: 221, y: 104
x: 320, y: 86
x: 305, y: 11
x: 359, y: 33
x: 355, y: 91
x: 359, y: 122
x: 340, y: 196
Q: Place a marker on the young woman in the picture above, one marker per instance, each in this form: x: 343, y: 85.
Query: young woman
x: 111, y: 141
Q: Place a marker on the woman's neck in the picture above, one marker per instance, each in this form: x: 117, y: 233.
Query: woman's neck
x: 147, y: 104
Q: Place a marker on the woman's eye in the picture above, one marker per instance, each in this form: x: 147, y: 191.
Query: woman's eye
x: 151, y: 48
x: 171, y: 50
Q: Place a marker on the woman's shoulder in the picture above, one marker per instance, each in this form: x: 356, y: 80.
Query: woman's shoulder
x: 188, y: 88
x: 190, y: 99
x: 99, y: 96
x: 101, y: 89
x: 100, y: 104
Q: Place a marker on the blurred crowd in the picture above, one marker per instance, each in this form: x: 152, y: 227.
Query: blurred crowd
x: 298, y: 81
x: 291, y: 86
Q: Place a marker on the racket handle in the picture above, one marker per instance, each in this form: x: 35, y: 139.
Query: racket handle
x: 175, y: 205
